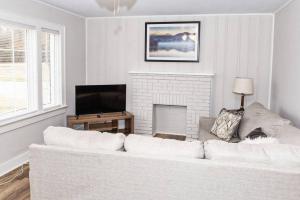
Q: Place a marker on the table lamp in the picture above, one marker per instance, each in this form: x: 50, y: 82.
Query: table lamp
x: 243, y: 86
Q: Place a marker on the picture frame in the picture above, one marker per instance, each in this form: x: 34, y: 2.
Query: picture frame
x: 172, y: 41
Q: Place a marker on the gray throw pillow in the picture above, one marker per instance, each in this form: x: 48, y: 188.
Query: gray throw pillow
x: 227, y: 123
x: 256, y: 115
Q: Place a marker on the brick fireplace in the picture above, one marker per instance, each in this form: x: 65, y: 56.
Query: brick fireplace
x: 192, y: 91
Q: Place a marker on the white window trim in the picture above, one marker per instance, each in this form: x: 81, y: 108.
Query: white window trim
x: 61, y: 86
x: 16, y: 122
x: 30, y: 118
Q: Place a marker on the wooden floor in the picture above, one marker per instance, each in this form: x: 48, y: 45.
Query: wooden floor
x: 18, y: 189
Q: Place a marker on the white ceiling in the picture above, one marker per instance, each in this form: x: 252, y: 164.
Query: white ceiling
x: 91, y: 8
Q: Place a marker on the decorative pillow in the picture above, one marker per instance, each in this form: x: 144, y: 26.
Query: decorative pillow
x: 146, y: 145
x: 256, y: 133
x: 94, y: 140
x: 227, y: 123
x: 256, y: 115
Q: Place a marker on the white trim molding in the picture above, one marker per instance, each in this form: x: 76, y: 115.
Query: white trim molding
x: 14, y: 163
x: 60, y: 9
x: 28, y: 119
x: 283, y: 6
x: 271, y: 61
x: 184, y: 15
x: 171, y: 73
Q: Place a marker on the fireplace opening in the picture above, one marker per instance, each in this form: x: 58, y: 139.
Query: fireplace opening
x: 169, y: 119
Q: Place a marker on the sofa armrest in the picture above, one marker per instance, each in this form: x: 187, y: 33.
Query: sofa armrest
x: 206, y: 123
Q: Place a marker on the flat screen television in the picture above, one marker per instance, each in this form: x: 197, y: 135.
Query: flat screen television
x: 97, y: 99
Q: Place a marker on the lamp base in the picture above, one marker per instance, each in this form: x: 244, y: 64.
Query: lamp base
x: 242, y: 102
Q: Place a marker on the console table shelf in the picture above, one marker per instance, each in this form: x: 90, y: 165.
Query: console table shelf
x: 104, y: 123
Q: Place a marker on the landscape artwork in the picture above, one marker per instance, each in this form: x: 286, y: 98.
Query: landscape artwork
x: 172, y: 41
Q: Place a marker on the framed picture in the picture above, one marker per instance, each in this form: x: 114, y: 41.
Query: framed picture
x: 172, y: 41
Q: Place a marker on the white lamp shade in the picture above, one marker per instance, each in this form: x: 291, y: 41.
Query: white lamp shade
x: 243, y: 86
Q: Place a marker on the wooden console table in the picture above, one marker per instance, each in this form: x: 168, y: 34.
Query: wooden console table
x: 104, y: 122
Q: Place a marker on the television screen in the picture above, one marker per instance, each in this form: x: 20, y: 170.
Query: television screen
x: 97, y: 99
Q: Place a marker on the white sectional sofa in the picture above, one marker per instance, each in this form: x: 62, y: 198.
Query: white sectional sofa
x: 66, y: 174
x: 256, y: 115
x: 79, y: 167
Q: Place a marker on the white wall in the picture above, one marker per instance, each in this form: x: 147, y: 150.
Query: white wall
x: 15, y: 142
x: 286, y: 68
x: 231, y: 45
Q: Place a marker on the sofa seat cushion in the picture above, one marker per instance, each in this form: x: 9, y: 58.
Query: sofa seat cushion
x: 93, y: 140
x: 147, y: 145
x: 278, y: 154
x: 255, y: 116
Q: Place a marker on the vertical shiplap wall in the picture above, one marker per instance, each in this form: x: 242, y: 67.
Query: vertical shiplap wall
x: 231, y: 45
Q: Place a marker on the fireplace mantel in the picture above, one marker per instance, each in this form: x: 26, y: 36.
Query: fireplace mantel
x: 171, y: 73
x: 192, y: 90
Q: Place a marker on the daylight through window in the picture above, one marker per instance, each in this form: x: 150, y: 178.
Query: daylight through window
x: 19, y: 66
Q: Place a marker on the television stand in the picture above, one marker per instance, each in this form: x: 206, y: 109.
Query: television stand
x: 106, y: 122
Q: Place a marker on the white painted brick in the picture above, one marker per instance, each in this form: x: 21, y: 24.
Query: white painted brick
x: 183, y: 90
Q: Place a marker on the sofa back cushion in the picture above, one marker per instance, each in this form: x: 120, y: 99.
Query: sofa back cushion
x: 278, y: 154
x: 255, y: 116
x: 94, y: 140
x: 148, y: 145
x: 289, y: 135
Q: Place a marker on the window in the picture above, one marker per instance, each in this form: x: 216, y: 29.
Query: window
x: 24, y: 51
x: 14, y: 88
x: 50, y: 68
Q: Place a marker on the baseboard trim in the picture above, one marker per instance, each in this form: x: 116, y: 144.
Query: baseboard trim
x: 14, y: 163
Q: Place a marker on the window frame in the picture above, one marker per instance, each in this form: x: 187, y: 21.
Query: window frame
x: 23, y: 119
x: 58, y: 98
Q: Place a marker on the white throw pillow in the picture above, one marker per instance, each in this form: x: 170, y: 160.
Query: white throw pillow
x: 278, y: 154
x: 260, y: 140
x: 94, y: 140
x: 146, y: 145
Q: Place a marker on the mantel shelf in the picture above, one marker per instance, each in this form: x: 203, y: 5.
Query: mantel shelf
x: 172, y: 73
